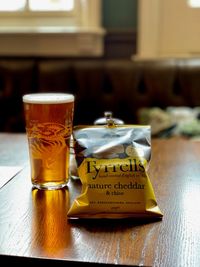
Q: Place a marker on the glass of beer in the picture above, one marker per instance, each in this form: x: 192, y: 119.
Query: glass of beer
x: 49, y: 120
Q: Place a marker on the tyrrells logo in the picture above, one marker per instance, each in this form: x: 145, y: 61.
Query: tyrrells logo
x: 126, y: 165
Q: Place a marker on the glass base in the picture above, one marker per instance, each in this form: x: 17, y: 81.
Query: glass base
x: 49, y: 186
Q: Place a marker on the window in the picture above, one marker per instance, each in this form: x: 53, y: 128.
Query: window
x: 194, y: 3
x: 9, y: 5
x: 51, y: 27
x: 41, y: 13
x: 36, y: 5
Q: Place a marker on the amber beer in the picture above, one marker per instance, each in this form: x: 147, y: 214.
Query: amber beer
x: 49, y: 119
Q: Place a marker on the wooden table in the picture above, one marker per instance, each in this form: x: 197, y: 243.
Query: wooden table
x: 34, y: 226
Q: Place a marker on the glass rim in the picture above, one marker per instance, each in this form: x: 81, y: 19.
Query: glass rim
x: 48, y: 98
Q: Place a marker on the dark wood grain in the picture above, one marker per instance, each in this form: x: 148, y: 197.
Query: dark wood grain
x: 34, y: 225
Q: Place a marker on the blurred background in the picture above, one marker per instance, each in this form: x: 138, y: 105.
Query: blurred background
x: 127, y: 56
x: 109, y: 25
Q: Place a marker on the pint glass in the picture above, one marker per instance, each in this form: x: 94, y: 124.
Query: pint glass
x: 49, y: 119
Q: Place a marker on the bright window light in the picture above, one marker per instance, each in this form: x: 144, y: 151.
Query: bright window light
x: 36, y: 5
x: 194, y: 3
x: 10, y: 5
x: 51, y: 5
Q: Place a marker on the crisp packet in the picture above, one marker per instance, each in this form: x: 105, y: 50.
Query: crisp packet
x: 112, y: 165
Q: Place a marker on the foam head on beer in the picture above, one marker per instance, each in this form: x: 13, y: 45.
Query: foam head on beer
x: 48, y: 98
x: 49, y: 119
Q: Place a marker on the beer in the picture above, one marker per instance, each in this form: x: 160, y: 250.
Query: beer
x: 49, y: 119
